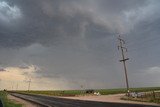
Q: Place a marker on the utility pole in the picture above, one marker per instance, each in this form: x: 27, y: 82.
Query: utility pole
x: 29, y: 83
x: 124, y: 59
x: 12, y: 86
x: 17, y: 87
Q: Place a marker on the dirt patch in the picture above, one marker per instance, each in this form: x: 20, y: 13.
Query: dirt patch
x: 109, y: 98
x: 23, y: 102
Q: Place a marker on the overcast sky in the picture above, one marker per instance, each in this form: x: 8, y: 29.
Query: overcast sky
x: 63, y: 44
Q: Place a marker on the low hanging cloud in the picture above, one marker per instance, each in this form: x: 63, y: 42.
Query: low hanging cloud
x: 17, y: 72
x: 153, y: 70
x: 73, y: 43
x: 21, y: 76
x: 58, y: 21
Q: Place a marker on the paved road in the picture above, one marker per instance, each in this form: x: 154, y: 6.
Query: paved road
x: 61, y: 102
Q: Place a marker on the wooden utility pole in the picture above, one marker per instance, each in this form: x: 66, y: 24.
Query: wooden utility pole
x: 124, y: 49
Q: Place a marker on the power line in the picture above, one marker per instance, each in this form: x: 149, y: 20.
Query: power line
x: 124, y: 59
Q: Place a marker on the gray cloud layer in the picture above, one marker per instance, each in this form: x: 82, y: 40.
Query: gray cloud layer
x: 76, y: 40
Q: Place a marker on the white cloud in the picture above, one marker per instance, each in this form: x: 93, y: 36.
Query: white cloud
x: 153, y: 70
x: 8, y: 13
x: 134, y: 16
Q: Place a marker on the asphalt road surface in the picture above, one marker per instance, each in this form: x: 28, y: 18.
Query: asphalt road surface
x: 47, y: 101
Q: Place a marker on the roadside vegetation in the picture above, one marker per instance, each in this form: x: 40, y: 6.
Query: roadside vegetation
x: 82, y: 92
x: 123, y: 90
x: 151, y: 96
x: 6, y: 102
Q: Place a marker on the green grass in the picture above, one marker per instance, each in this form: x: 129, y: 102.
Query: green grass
x: 123, y: 90
x: 55, y: 93
x: 7, y: 102
x: 81, y: 92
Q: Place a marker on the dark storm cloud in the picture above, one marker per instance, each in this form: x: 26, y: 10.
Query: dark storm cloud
x: 40, y: 26
x: 48, y: 22
x: 121, y: 5
x: 74, y: 40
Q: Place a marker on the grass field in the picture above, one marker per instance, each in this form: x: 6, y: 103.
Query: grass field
x: 7, y: 102
x: 146, y: 97
x: 82, y: 92
x: 122, y: 90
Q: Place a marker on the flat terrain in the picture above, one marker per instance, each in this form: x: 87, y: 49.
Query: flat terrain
x: 80, y: 92
x: 63, y: 102
x: 21, y: 101
x: 116, y: 98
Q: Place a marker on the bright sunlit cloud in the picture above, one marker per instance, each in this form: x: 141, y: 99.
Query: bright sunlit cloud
x: 17, y: 73
x: 8, y: 13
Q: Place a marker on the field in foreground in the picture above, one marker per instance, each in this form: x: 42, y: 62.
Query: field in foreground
x: 82, y: 92
x: 7, y: 102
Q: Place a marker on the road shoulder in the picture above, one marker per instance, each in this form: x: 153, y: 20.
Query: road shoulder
x: 21, y: 101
